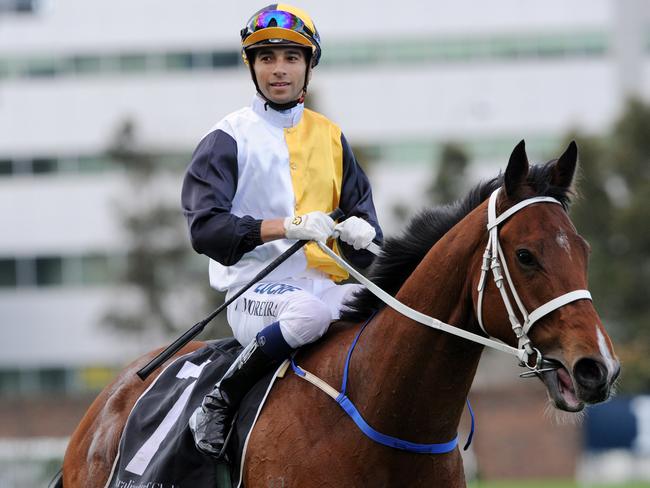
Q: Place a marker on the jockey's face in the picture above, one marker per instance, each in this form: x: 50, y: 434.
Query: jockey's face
x: 280, y: 72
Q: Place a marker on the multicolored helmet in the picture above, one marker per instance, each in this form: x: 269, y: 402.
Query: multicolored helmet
x: 281, y: 24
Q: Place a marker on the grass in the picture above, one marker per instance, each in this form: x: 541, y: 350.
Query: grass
x: 550, y: 484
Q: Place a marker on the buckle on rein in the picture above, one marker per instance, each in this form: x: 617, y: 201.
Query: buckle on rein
x: 541, y: 365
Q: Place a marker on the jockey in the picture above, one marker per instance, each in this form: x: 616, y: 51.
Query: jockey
x: 262, y: 177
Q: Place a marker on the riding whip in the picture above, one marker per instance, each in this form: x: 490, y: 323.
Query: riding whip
x: 197, y: 328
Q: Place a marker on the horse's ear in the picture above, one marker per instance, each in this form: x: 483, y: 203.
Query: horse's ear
x: 517, y: 169
x: 565, y: 168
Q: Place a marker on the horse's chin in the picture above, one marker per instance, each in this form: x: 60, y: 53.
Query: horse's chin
x: 561, y: 389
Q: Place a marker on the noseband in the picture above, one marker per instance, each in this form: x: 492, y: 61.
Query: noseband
x: 493, y: 260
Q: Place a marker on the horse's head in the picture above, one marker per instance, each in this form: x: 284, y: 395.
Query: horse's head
x: 547, y: 259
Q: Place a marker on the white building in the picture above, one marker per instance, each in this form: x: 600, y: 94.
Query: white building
x: 399, y: 78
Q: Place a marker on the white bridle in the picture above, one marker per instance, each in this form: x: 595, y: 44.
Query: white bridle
x: 493, y: 260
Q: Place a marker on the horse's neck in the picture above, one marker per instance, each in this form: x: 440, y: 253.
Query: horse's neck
x: 412, y: 381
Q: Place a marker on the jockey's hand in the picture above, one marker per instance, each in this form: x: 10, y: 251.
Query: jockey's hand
x: 356, y: 232
x: 313, y: 226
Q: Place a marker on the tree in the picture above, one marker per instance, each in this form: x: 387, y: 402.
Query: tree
x: 611, y: 211
x: 612, y: 214
x: 166, y: 281
x: 451, y: 179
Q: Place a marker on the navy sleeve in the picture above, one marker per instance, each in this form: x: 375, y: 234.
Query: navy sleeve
x: 356, y: 200
x: 208, y: 189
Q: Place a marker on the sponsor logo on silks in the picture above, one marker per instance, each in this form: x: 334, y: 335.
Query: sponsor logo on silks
x: 258, y: 308
x: 274, y: 288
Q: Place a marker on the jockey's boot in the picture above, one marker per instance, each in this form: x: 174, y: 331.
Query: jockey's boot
x: 211, y: 422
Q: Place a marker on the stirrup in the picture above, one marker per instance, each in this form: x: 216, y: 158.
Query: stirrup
x: 223, y: 457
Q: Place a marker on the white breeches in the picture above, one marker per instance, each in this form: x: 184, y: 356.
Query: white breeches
x: 304, y: 307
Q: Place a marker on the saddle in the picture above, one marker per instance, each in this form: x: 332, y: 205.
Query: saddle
x: 157, y: 447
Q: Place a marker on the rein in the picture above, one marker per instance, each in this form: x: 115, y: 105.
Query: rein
x: 494, y: 261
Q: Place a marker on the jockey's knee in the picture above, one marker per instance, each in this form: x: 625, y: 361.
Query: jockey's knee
x: 304, y: 321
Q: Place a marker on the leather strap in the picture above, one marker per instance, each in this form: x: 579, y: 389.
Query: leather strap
x: 554, y: 304
x: 419, y: 316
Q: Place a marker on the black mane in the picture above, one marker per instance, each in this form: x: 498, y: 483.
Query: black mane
x: 400, y: 255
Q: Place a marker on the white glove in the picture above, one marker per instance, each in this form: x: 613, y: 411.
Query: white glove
x: 356, y: 232
x: 313, y: 226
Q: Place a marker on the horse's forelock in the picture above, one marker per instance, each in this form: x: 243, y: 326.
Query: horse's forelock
x: 540, y: 178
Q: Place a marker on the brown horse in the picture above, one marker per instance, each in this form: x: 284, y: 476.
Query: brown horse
x: 408, y: 380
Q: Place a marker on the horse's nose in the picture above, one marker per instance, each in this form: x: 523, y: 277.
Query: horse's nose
x: 591, y: 377
x: 617, y: 371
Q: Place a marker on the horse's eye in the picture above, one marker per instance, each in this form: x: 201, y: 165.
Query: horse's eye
x: 525, y: 257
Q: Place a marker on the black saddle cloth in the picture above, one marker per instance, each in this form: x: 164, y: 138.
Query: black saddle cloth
x: 157, y: 448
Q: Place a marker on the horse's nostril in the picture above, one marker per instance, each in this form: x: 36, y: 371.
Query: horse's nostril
x: 590, y: 373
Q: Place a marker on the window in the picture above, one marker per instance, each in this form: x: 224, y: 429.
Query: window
x: 552, y: 48
x: 9, y: 381
x: 86, y: 64
x: 69, y: 270
x: 35, y: 381
x: 95, y: 269
x: 41, y: 68
x: 225, y: 58
x: 52, y: 379
x: 203, y: 59
x: 68, y: 165
x: 22, y: 166
x: 174, y: 162
x: 25, y: 271
x: 179, y: 61
x: 49, y: 271
x: 7, y: 272
x: 18, y: 6
x: 129, y: 63
x: 93, y: 164
x: 433, y: 49
x: 44, y: 165
x: 6, y: 167
x: 4, y: 68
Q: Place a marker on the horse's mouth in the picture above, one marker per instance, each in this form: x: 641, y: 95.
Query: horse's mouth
x: 561, y: 388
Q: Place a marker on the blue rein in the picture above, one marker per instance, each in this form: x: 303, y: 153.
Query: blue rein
x: 346, y: 404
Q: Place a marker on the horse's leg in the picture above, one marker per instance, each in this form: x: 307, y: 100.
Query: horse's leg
x: 93, y: 446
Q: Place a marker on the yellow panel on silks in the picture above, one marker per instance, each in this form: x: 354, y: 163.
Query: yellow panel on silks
x: 316, y: 162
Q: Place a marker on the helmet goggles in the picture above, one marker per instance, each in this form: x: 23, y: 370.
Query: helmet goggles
x: 276, y: 18
x: 280, y: 25
x: 280, y: 19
